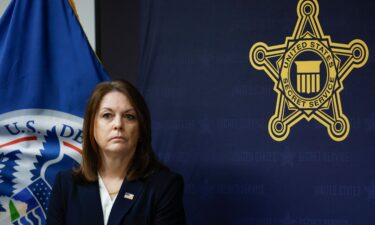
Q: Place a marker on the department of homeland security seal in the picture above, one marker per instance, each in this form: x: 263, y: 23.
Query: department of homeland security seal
x: 308, y: 71
x: 34, y: 145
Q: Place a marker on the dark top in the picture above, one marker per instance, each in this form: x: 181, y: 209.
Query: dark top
x: 156, y: 200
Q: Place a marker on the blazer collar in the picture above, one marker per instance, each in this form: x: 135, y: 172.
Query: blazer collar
x: 129, y: 193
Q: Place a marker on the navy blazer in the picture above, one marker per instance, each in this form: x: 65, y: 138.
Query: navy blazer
x: 157, y: 200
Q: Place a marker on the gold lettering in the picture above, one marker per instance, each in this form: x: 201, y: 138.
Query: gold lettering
x: 299, y: 47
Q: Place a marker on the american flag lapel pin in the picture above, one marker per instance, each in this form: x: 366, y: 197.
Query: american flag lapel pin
x: 129, y: 196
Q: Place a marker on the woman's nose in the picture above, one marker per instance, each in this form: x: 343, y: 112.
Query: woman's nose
x: 118, y: 123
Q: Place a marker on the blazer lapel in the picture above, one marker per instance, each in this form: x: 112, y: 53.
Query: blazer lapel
x: 90, y: 198
x: 129, y: 193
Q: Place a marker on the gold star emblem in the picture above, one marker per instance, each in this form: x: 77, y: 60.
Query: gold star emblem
x: 308, y: 71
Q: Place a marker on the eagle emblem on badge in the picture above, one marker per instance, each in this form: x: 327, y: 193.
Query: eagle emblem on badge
x: 34, y: 145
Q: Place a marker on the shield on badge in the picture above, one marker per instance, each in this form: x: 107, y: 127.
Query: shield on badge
x: 308, y: 76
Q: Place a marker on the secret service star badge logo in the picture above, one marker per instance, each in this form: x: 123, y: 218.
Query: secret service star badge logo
x: 308, y: 71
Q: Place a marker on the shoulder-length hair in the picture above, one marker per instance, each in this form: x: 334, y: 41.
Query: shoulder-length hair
x: 144, y: 161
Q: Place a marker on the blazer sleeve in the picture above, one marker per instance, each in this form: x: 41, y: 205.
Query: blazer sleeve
x: 56, y: 208
x: 170, y: 209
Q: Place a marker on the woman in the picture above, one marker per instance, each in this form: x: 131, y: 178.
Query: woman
x: 120, y: 181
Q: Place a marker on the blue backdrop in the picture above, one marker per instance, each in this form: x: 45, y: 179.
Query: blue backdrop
x: 211, y: 109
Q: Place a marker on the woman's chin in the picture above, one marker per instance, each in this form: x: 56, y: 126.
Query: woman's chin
x: 118, y: 149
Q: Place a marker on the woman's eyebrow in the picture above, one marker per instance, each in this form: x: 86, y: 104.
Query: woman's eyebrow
x: 105, y: 108
x: 131, y: 109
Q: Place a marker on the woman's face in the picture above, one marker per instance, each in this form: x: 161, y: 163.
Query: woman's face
x: 116, y: 127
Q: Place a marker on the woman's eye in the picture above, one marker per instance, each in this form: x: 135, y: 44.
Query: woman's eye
x: 129, y: 116
x: 106, y: 115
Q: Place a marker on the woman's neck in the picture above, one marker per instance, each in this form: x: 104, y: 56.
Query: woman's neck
x: 113, y: 172
x: 114, y: 166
